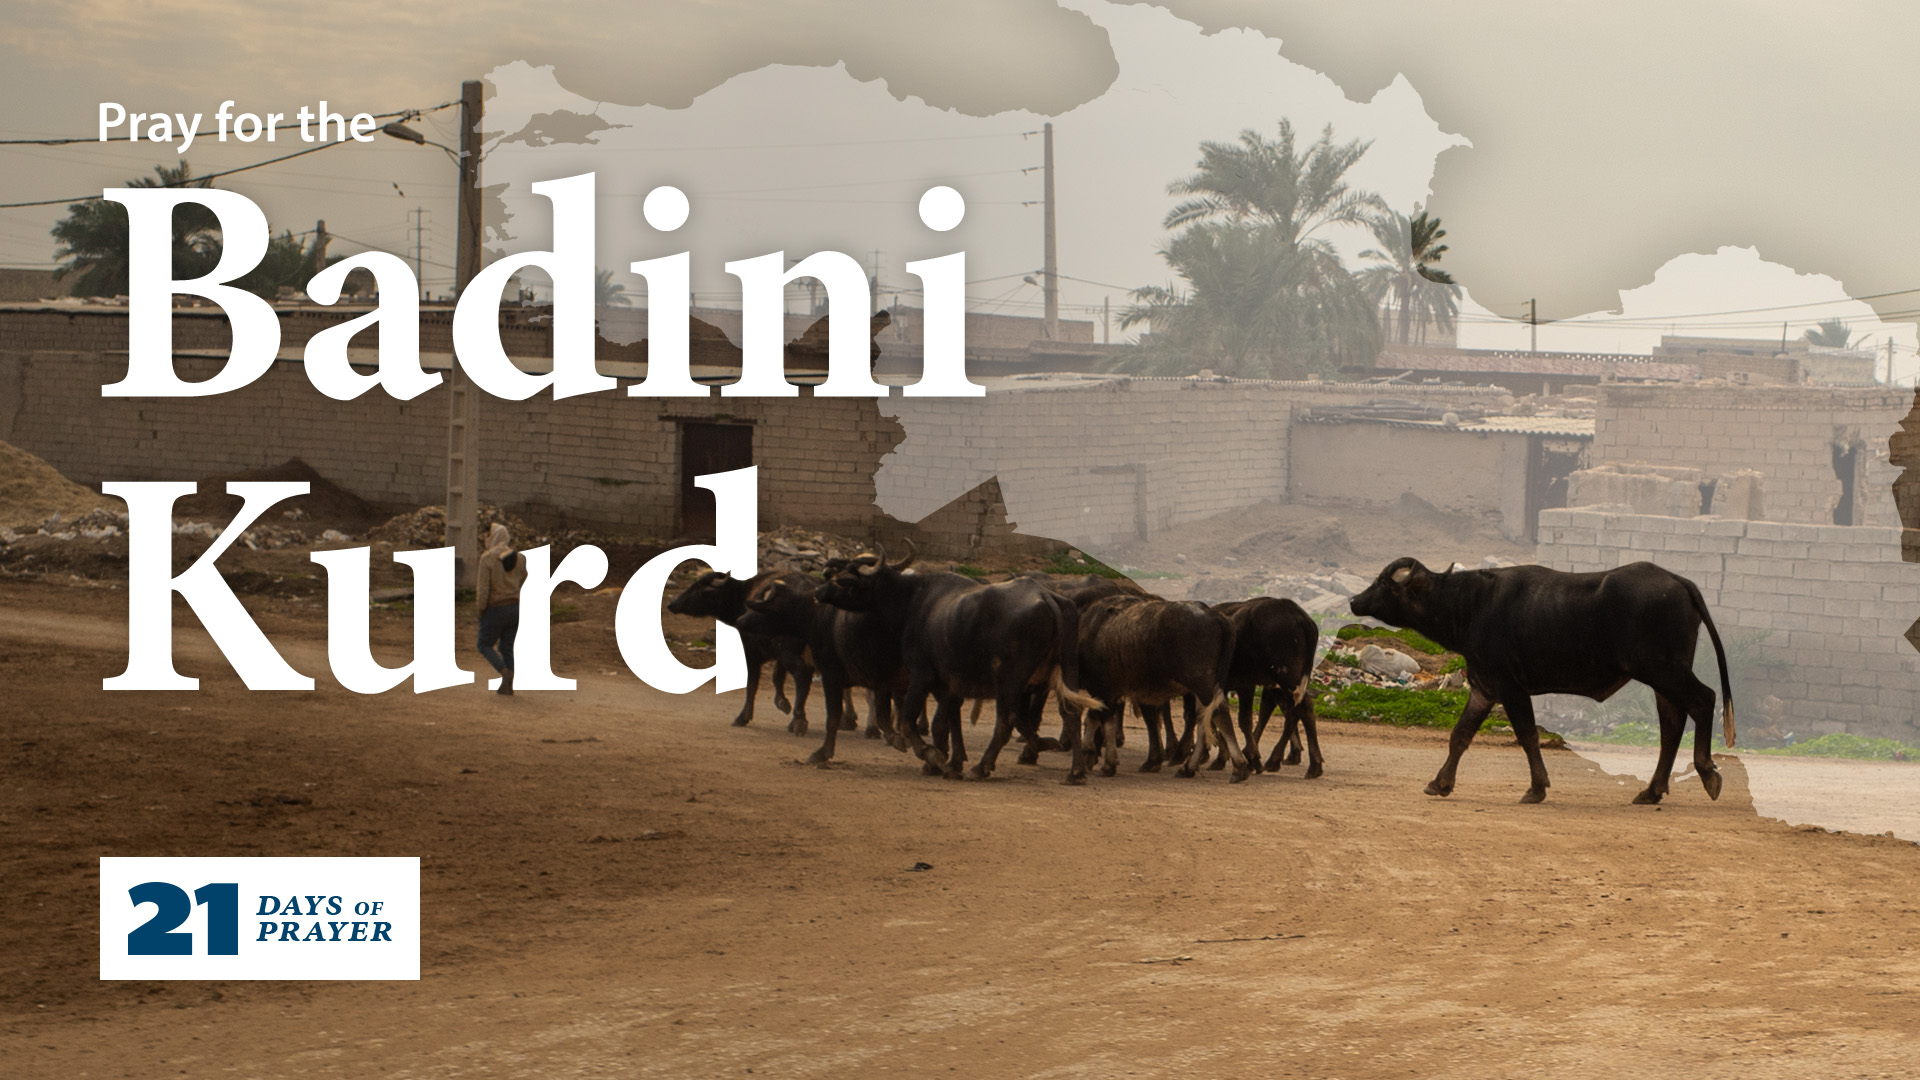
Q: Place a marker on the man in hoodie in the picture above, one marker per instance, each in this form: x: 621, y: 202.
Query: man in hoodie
x: 496, y: 592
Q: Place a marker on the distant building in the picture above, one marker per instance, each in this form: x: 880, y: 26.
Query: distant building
x: 1753, y: 360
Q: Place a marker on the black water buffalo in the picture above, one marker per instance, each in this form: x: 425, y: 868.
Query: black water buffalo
x: 1528, y: 630
x: 849, y: 650
x: 1150, y: 651
x: 721, y: 596
x: 959, y: 639
x: 1273, y: 645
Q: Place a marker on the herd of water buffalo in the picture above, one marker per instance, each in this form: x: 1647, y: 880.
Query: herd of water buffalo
x: 1094, y: 644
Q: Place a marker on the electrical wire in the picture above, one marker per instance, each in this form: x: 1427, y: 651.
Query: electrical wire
x: 66, y: 141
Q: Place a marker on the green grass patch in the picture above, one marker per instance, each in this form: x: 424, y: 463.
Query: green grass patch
x: 1458, y: 663
x: 1398, y: 707
x: 969, y: 570
x: 1412, y: 638
x: 1062, y: 562
x: 564, y: 613
x: 1838, y: 745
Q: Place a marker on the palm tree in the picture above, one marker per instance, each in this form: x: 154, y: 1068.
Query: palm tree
x: 93, y: 237
x: 1406, y: 266
x: 608, y: 292
x: 1265, y: 293
x: 1831, y: 333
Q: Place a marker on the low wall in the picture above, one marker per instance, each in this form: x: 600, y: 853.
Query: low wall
x: 1478, y: 474
x: 1836, y: 604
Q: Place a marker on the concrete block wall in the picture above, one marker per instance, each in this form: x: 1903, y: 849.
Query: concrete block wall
x: 1835, y: 603
x: 1786, y: 433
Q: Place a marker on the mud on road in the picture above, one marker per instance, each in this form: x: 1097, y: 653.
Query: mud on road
x: 617, y: 883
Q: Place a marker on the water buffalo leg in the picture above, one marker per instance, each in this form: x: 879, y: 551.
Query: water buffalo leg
x: 947, y: 718
x: 831, y: 689
x: 913, y: 708
x: 1302, y: 713
x: 1229, y: 741
x: 1110, y: 718
x: 753, y: 690
x: 875, y: 729
x: 780, y: 685
x: 1249, y: 734
x: 791, y: 660
x: 849, y: 719
x: 1673, y: 727
x: 1202, y: 747
x: 1081, y: 744
x: 1269, y: 700
x: 1520, y: 715
x: 1156, y: 749
x: 1464, y: 729
x: 1008, y: 710
x: 1701, y: 709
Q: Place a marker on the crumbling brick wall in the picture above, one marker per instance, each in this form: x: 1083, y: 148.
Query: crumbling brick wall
x: 1786, y: 433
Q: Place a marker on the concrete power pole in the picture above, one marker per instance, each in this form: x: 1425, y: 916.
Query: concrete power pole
x: 1051, y: 268
x: 463, y: 400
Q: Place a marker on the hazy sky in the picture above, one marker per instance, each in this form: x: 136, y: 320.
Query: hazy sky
x: 1697, y: 158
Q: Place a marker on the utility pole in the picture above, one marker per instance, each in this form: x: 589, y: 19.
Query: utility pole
x: 1533, y: 327
x: 463, y: 400
x: 1106, y: 320
x: 1889, y: 359
x: 419, y: 216
x: 320, y: 241
x: 1051, y: 267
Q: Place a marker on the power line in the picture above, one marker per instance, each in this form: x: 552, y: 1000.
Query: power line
x: 188, y: 183
x: 67, y: 141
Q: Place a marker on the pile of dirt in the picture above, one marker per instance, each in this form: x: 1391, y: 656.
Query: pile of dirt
x: 32, y: 491
x: 326, y: 505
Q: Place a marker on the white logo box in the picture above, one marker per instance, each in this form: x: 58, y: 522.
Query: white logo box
x: 228, y: 918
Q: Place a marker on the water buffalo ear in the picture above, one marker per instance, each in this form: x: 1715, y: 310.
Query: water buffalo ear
x: 1401, y: 575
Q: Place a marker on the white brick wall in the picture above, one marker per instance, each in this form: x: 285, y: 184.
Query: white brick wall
x: 1834, y: 602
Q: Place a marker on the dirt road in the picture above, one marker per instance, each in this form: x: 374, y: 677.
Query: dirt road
x: 618, y: 884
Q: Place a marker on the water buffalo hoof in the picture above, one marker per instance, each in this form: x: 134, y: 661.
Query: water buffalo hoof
x: 1150, y: 765
x: 848, y: 723
x: 1274, y: 763
x: 873, y: 733
x: 1533, y: 795
x: 1435, y: 789
x: 1075, y: 779
x: 978, y: 773
x: 1710, y: 779
x: 1029, y: 756
x: 953, y: 772
x: 1109, y: 768
x: 1315, y: 772
x: 1293, y: 757
x: 928, y: 768
x: 1648, y: 797
x: 1186, y: 772
x: 742, y: 721
x: 1217, y: 764
x: 798, y: 726
x: 1239, y: 775
x: 1047, y: 745
x: 819, y: 757
x: 780, y: 702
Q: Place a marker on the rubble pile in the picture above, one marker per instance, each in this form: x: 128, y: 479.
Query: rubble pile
x: 794, y: 548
